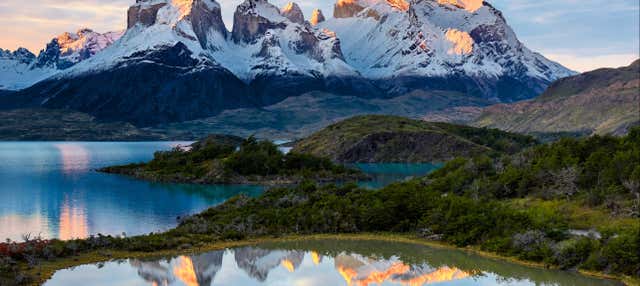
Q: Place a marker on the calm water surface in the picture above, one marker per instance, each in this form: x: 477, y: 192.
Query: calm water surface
x: 322, y: 263
x: 51, y: 189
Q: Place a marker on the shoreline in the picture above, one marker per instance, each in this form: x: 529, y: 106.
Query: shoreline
x: 273, y: 181
x: 135, y: 171
x: 46, y: 269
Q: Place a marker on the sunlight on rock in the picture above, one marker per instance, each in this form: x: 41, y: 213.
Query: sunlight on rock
x: 462, y: 42
x: 469, y: 5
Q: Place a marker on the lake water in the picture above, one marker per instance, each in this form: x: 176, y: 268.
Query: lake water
x: 322, y: 263
x: 51, y: 189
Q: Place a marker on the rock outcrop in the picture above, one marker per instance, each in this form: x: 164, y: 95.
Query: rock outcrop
x: 253, y: 18
x: 69, y: 49
x: 206, y: 19
x: 293, y: 12
x: 347, y: 8
x: 317, y: 17
x: 20, y: 55
x: 144, y: 13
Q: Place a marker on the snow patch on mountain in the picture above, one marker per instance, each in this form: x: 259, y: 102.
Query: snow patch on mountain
x: 16, y: 69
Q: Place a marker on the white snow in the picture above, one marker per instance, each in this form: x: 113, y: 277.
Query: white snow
x: 396, y: 44
x: 15, y: 75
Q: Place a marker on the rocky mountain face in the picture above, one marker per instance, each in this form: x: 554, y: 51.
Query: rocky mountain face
x: 443, y: 44
x: 317, y: 17
x: 69, y: 49
x: 21, y: 68
x: 177, y: 61
x: 604, y: 101
x: 293, y: 12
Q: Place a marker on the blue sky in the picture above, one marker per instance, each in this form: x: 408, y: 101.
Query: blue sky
x: 581, y: 34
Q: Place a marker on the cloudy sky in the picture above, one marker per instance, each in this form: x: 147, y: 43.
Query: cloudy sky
x: 581, y: 34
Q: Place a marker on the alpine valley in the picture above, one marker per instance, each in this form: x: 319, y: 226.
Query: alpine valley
x: 178, y: 62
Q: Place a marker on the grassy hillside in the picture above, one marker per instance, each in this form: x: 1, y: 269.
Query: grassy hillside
x: 379, y: 138
x: 605, y: 101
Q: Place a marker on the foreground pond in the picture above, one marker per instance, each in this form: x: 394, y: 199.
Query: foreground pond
x: 51, y: 189
x: 320, y: 262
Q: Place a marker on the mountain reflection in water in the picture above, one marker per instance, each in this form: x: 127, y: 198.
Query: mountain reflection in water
x: 258, y: 263
x: 322, y: 262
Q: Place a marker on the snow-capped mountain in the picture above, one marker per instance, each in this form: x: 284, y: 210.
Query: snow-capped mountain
x: 177, y: 61
x: 17, y: 70
x: 21, y: 68
x: 69, y: 49
x: 434, y: 43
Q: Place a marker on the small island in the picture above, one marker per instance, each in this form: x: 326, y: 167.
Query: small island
x: 231, y: 160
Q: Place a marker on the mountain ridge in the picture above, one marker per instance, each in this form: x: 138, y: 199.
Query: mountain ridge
x: 267, y: 57
x: 603, y: 101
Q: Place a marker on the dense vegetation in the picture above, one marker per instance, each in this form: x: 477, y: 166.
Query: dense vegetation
x: 527, y: 205
x: 381, y: 138
x: 228, y: 160
x: 496, y: 139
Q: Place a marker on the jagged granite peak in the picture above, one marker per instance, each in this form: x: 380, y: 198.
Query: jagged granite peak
x: 21, y: 55
x: 21, y: 68
x: 69, y: 49
x: 192, y: 19
x: 206, y: 18
x: 16, y: 69
x: 317, y: 17
x: 144, y: 12
x: 253, y: 18
x: 293, y: 12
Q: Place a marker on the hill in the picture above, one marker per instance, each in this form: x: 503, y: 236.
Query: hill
x: 379, y: 138
x: 604, y: 101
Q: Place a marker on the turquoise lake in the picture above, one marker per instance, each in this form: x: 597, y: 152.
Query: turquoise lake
x: 52, y: 189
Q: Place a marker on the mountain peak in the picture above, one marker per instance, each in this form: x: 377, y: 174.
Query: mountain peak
x: 67, y: 49
x: 317, y: 17
x: 254, y: 18
x: 293, y: 12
